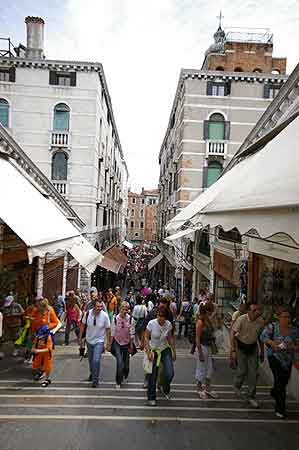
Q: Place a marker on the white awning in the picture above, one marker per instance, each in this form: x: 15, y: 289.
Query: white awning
x: 260, y: 193
x: 188, y: 233
x: 153, y: 262
x: 128, y: 244
x: 37, y: 220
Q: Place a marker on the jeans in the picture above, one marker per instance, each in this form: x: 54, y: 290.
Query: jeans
x: 204, y: 369
x: 281, y: 377
x: 94, y: 358
x: 122, y: 362
x: 181, y: 325
x: 247, y: 366
x: 68, y: 328
x: 168, y: 374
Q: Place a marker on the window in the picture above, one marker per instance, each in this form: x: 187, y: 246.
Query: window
x: 214, y: 170
x: 275, y: 71
x: 8, y: 74
x: 61, y: 117
x: 218, y: 88
x: 220, y: 68
x: 133, y: 200
x: 59, y: 166
x: 4, y: 112
x: 257, y: 70
x: 271, y: 90
x: 132, y: 212
x: 141, y: 225
x: 62, y: 78
x: 238, y: 69
x: 142, y: 201
x: 216, y: 128
x: 105, y: 217
x: 132, y: 224
x: 136, y: 234
x: 141, y: 212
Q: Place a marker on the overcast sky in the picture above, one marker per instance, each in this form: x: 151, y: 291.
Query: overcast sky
x: 142, y: 46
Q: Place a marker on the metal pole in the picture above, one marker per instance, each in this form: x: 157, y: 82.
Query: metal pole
x: 182, y: 284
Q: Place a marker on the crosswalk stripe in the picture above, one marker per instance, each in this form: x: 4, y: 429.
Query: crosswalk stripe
x: 153, y: 419
x: 131, y: 407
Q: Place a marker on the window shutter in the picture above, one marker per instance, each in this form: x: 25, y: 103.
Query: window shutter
x: 12, y: 74
x: 206, y: 130
x: 204, y: 177
x: 209, y: 87
x: 52, y: 77
x: 227, y: 131
x: 227, y: 88
x: 267, y: 90
x: 73, y: 78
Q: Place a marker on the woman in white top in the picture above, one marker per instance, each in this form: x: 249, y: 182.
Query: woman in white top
x: 159, y: 345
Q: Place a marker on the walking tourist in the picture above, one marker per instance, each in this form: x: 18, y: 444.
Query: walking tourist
x: 184, y: 317
x: 122, y: 341
x: 12, y: 320
x: 139, y: 315
x: 204, y: 358
x: 72, y: 319
x: 111, y: 304
x: 95, y: 328
x: 160, y: 348
x: 282, y: 341
x: 244, y: 352
x: 59, y: 306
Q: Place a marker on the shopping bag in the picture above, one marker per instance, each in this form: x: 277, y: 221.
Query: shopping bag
x: 147, y: 364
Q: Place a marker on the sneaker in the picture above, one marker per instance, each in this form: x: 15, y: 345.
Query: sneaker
x: 202, y: 395
x: 151, y: 403
x: 125, y: 381
x: 252, y: 402
x: 89, y: 378
x: 15, y: 353
x: 117, y: 387
x: 212, y: 394
x: 95, y: 385
x: 167, y: 396
x: 238, y: 393
x: 39, y: 376
x: 280, y: 415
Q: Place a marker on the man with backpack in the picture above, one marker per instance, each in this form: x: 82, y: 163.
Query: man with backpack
x: 185, y: 317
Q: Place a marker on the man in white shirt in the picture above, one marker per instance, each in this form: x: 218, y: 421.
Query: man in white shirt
x: 96, y: 327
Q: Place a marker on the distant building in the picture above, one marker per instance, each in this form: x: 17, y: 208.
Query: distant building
x: 61, y: 114
x: 214, y: 109
x: 142, y: 215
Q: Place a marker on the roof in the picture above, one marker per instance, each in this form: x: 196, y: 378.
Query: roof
x: 78, y: 66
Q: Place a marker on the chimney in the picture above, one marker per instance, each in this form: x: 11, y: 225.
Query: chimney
x: 35, y: 37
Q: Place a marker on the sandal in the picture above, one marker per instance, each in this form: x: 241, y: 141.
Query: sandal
x: 46, y: 383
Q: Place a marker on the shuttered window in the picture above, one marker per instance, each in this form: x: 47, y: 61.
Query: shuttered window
x: 61, y: 117
x: 4, y: 112
x: 214, y: 171
x: 218, y: 89
x: 216, y: 128
x: 62, y: 79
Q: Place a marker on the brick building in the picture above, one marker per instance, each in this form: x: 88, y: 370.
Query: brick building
x: 142, y: 215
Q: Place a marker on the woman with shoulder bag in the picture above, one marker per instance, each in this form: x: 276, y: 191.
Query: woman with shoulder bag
x: 122, y: 343
x: 204, y: 361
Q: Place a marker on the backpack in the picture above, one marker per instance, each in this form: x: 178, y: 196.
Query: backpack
x: 187, y: 311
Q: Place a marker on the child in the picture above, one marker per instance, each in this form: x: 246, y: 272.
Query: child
x: 42, y: 350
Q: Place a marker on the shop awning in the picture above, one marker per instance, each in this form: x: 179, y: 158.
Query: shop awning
x: 114, y: 260
x: 260, y: 193
x: 188, y: 233
x: 128, y: 244
x: 153, y: 262
x: 37, y: 220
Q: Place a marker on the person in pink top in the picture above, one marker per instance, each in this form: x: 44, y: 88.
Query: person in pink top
x: 72, y: 319
x: 122, y: 337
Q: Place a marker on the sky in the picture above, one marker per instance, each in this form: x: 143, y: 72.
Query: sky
x: 143, y: 45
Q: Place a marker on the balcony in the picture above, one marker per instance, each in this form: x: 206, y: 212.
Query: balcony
x: 59, y: 139
x: 61, y: 187
x: 216, y: 148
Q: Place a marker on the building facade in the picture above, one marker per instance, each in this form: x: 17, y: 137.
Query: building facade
x: 142, y: 215
x: 61, y: 114
x: 214, y: 109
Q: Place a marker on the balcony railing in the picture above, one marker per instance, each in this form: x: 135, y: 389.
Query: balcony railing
x: 216, y: 148
x: 60, y: 139
x: 61, y: 187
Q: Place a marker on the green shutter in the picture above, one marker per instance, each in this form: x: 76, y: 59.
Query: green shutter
x: 214, y: 172
x: 4, y: 111
x: 216, y: 131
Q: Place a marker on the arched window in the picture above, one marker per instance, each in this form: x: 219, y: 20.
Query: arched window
x: 61, y: 117
x: 220, y: 68
x: 238, y: 69
x: 257, y: 70
x: 216, y: 127
x: 275, y: 72
x: 4, y: 112
x: 59, y: 166
x: 214, y: 171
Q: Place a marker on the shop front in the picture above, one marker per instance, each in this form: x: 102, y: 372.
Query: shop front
x: 227, y: 280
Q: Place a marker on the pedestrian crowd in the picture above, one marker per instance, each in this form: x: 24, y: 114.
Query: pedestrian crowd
x: 151, y: 321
